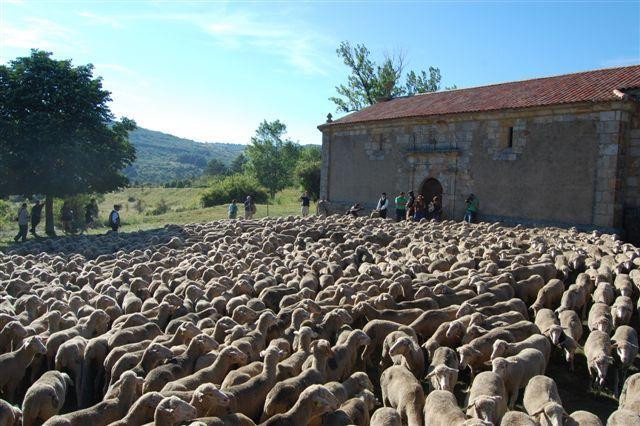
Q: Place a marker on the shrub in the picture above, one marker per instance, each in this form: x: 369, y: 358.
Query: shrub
x: 161, y: 208
x: 5, y: 214
x: 308, y: 176
x: 139, y: 205
x: 232, y: 187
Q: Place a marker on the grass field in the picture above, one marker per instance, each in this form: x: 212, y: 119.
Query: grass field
x: 149, y: 208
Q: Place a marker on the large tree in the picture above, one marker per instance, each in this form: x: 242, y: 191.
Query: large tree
x: 272, y: 157
x: 58, y: 136
x: 369, y: 82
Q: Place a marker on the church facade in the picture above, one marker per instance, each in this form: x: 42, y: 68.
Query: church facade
x: 561, y: 150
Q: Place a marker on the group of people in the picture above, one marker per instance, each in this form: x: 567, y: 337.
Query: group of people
x: 67, y: 217
x: 250, y: 207
x: 410, y: 207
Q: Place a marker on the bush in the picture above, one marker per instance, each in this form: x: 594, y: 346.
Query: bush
x: 236, y: 187
x: 308, y: 176
x: 161, y: 208
x: 77, y: 203
x: 5, y: 214
x: 139, y: 205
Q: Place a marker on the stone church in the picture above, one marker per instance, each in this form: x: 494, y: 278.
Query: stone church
x: 561, y: 150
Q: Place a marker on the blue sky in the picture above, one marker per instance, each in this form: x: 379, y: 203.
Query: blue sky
x: 211, y: 71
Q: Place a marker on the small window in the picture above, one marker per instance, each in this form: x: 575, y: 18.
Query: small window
x: 510, y: 143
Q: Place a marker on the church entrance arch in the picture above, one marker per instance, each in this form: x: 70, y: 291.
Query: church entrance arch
x: 430, y: 188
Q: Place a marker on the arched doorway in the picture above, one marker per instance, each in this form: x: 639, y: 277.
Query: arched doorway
x: 430, y: 188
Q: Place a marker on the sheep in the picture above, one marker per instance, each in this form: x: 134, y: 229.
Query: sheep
x: 621, y: 311
x: 402, y: 391
x: 549, y: 325
x: 180, y: 366
x: 625, y: 342
x: 505, y: 349
x: 487, y: 398
x: 622, y: 417
x: 312, y: 403
x: 571, y: 324
x: 516, y: 371
x: 475, y: 353
x: 630, y: 395
x: 14, y: 364
x: 356, y: 383
x: 441, y: 409
x: 340, y: 365
x: 541, y: 398
x: 582, y: 418
x: 11, y: 336
x: 173, y: 411
x: 443, y: 371
x: 600, y: 318
x: 548, y: 296
x: 69, y: 358
x: 284, y: 394
x: 9, y: 415
x: 378, y: 330
x: 385, y: 416
x: 292, y: 365
x: 154, y: 355
x: 573, y: 298
x: 604, y: 293
x: 355, y: 411
x: 106, y: 411
x: 597, y: 350
x: 142, y: 411
x: 517, y: 418
x: 406, y: 351
x: 45, y: 397
x: 527, y: 289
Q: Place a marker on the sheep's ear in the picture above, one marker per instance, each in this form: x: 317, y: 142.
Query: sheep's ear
x: 262, y: 353
x: 296, y: 332
x: 488, y: 364
x: 428, y: 376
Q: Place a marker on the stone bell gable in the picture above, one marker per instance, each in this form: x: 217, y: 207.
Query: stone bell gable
x: 554, y: 151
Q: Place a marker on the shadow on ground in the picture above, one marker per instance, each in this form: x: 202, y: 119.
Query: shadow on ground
x: 92, y: 246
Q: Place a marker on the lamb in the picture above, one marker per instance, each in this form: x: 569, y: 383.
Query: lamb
x: 69, y: 359
x: 312, y: 403
x: 106, y: 411
x: 402, y: 391
x: 406, y: 351
x: 527, y: 289
x: 208, y: 399
x: 429, y: 321
x: 541, y: 400
x: 172, y: 411
x: 180, y: 366
x: 14, y: 364
x: 355, y: 411
x: 573, y: 298
x: 516, y: 371
x: 441, y: 408
x: 292, y: 365
x: 475, y: 353
x: 377, y: 330
x: 600, y: 318
x: 45, y: 398
x: 11, y: 336
x: 443, y: 371
x: 623, y: 285
x: 215, y: 373
x: 597, y: 350
x: 154, y: 355
x: 284, y: 394
x: 385, y: 416
x: 502, y: 348
x: 604, y: 293
x: 487, y: 398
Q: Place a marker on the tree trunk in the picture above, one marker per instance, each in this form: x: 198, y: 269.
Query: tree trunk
x: 48, y: 212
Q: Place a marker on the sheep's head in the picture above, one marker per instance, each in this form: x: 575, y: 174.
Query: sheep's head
x: 362, y: 380
x: 188, y: 330
x: 359, y: 338
x: 368, y: 397
x: 555, y: 333
x: 321, y: 347
x: 159, y: 351
x: 321, y: 399
x: 499, y: 366
x: 467, y: 354
x: 466, y: 308
x: 455, y: 329
x: 234, y: 355
x: 601, y: 364
x: 430, y: 346
x: 443, y: 377
x: 499, y: 348
x: 35, y: 345
x: 271, y: 355
x: 176, y: 409
x: 209, y: 394
x: 244, y: 315
x: 626, y: 352
x: 486, y: 407
x: 16, y: 329
x: 604, y: 324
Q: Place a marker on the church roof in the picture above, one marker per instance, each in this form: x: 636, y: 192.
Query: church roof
x: 590, y: 86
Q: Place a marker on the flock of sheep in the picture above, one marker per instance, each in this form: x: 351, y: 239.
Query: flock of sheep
x: 320, y: 321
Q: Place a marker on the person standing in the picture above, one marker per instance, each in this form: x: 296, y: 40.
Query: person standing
x: 420, y: 208
x: 322, y: 208
x: 90, y: 212
x: 401, y: 207
x: 472, y: 209
x: 411, y: 206
x: 382, y: 206
x: 249, y: 208
x: 233, y: 210
x: 36, y: 216
x: 23, y: 223
x: 66, y: 215
x: 435, y: 208
x: 114, y: 218
x: 304, y: 203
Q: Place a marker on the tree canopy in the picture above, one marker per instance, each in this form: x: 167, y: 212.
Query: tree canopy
x: 216, y: 167
x: 369, y: 82
x: 58, y: 136
x: 272, y: 157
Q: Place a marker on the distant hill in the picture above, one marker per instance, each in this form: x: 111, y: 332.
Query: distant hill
x: 162, y: 157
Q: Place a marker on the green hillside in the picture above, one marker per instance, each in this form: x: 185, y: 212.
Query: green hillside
x: 162, y: 157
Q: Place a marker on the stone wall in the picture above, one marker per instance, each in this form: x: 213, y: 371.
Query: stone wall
x: 562, y: 164
x: 631, y: 180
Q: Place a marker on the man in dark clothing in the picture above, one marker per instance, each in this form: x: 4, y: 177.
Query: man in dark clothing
x: 410, y: 207
x: 382, y: 206
x: 36, y: 215
x: 304, y: 204
x: 114, y: 218
x: 23, y: 223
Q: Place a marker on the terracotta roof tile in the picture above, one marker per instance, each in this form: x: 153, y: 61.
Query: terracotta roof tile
x: 589, y: 86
